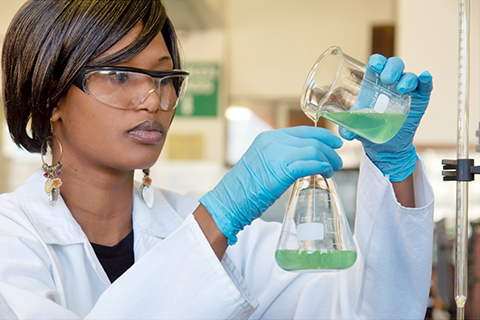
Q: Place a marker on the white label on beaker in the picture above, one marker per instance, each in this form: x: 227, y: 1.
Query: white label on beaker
x: 381, y: 104
x: 310, y: 231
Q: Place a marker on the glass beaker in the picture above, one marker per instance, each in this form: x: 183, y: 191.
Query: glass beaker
x: 315, y: 234
x: 351, y: 94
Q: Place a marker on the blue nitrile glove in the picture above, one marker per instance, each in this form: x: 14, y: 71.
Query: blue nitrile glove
x: 267, y: 169
x: 397, y: 157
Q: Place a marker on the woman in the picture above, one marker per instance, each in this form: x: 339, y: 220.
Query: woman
x: 79, y: 241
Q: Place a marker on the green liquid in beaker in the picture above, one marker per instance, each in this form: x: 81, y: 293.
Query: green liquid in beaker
x: 292, y: 260
x: 376, y: 127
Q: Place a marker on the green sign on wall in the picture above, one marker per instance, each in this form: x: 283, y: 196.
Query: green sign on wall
x: 201, y: 98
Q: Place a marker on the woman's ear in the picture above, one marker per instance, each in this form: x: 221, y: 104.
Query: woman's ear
x: 56, y: 112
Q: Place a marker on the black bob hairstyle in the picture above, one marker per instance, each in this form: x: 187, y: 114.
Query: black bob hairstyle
x: 49, y: 41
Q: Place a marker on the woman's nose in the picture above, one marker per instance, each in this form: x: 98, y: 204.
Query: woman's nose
x: 150, y: 102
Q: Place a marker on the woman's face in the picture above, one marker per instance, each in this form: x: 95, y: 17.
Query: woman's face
x: 94, y: 134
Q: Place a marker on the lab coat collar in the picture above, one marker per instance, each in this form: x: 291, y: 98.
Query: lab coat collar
x: 159, y: 221
x: 56, y: 225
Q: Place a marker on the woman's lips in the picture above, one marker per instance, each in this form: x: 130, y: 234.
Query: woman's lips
x: 147, y: 132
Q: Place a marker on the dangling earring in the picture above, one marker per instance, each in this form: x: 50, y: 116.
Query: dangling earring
x: 146, y: 191
x: 53, y: 183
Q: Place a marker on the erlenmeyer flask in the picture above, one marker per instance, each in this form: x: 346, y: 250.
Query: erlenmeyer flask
x: 315, y: 235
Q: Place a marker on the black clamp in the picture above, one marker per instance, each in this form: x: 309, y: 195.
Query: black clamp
x: 459, y: 170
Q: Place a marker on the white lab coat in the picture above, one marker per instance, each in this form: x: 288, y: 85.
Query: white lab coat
x: 48, y: 269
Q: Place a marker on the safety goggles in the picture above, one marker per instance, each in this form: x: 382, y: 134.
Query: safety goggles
x: 127, y: 88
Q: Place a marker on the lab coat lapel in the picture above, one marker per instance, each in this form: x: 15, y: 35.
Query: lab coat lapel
x: 55, y: 225
x: 151, y: 226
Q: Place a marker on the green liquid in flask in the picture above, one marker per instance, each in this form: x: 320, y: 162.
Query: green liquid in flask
x: 292, y: 260
x: 376, y: 127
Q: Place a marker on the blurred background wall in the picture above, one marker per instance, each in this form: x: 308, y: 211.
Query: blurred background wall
x: 248, y: 60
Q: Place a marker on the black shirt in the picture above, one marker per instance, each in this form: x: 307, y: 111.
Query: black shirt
x: 117, y: 259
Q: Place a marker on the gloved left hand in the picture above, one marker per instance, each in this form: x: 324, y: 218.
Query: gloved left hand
x: 267, y: 169
x: 397, y: 157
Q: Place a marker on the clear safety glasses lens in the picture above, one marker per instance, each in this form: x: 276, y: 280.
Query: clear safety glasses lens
x: 128, y: 90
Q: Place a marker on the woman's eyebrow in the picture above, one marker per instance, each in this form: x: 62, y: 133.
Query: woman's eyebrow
x: 164, y: 58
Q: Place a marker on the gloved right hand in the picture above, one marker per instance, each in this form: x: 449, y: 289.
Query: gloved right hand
x: 267, y: 169
x: 397, y: 157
